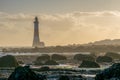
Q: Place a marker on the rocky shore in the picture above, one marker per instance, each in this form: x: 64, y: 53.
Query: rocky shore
x: 60, y: 67
x: 46, y: 73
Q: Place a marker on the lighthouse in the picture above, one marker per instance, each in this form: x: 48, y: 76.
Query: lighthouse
x: 36, y: 39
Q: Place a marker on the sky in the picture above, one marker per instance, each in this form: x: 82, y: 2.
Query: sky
x: 62, y: 22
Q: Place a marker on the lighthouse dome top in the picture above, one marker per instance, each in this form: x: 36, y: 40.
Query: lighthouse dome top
x: 36, y: 18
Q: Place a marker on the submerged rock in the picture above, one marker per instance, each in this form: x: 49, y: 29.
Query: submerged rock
x: 24, y: 73
x: 8, y: 61
x: 89, y: 64
x: 111, y: 73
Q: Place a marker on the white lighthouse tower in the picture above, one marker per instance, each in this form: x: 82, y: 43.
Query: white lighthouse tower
x: 36, y: 40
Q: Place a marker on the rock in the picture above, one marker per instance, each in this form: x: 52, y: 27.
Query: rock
x: 51, y: 62
x: 41, y: 59
x: 64, y: 78
x: 8, y: 61
x: 20, y: 62
x: 101, y: 59
x: 0, y: 75
x: 89, y: 64
x: 76, y: 77
x: 111, y: 73
x: 3, y: 78
x: 58, y: 57
x: 38, y: 63
x: 24, y: 73
x: 82, y: 57
x: 113, y: 55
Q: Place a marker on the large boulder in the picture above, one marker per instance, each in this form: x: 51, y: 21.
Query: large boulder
x: 101, y: 59
x: 111, y: 73
x: 51, y: 62
x: 42, y: 59
x: 113, y: 55
x: 8, y: 61
x: 24, y: 73
x: 58, y: 57
x: 89, y: 64
x: 82, y: 57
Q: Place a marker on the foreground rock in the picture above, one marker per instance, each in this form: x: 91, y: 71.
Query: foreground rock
x: 8, y: 61
x: 3, y: 78
x: 111, y: 73
x: 102, y: 59
x: 89, y: 64
x: 24, y: 73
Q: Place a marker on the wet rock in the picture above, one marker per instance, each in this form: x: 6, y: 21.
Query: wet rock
x: 101, y: 59
x: 82, y: 57
x: 20, y: 62
x: 24, y: 73
x: 38, y: 63
x: 8, y: 61
x: 51, y: 62
x: 3, y: 78
x: 89, y: 64
x: 58, y: 57
x: 64, y: 78
x: 76, y: 77
x: 0, y: 75
x: 113, y: 55
x: 41, y: 59
x: 111, y: 73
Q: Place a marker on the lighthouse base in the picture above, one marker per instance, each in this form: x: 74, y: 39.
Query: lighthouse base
x: 39, y: 45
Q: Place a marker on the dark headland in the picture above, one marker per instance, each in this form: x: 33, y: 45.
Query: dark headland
x: 81, y: 48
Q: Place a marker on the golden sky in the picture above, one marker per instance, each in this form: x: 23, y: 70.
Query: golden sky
x: 59, y: 29
x: 62, y: 22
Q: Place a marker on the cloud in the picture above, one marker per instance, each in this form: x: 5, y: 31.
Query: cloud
x: 59, y: 29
